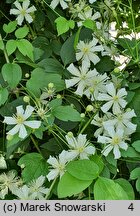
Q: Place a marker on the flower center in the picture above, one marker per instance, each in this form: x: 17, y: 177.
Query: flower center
x: 81, y: 149
x: 116, y: 140
x: 23, y: 12
x: 61, y: 167
x: 20, y: 119
x: 115, y: 98
x: 85, y: 49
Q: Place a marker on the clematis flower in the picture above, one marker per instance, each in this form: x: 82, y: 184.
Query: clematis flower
x: 114, y: 141
x: 122, y: 121
x: 37, y: 189
x: 79, y: 147
x: 23, y: 193
x: 8, y: 182
x: 23, y: 12
x: 88, y: 14
x: 86, y: 51
x: 114, y: 98
x: 80, y: 79
x: 63, y: 3
x: 99, y: 122
x: 20, y: 120
x: 58, y: 165
x: 96, y: 85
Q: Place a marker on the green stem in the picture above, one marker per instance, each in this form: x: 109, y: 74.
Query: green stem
x: 5, y: 15
x: 4, y: 51
x: 35, y: 144
x: 51, y: 8
x: 51, y: 187
x: 88, y: 122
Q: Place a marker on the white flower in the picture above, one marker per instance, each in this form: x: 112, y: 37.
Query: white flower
x: 122, y: 121
x: 23, y: 12
x: 8, y: 182
x: 20, y: 121
x: 80, y: 78
x: 115, y: 141
x: 80, y: 147
x: 86, y: 51
x: 92, y: 1
x: 23, y: 193
x: 99, y: 122
x: 87, y: 14
x: 37, y: 189
x: 63, y: 3
x: 114, y: 98
x: 96, y: 85
x: 3, y: 164
x: 58, y: 165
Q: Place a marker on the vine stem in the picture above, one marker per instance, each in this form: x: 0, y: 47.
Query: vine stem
x: 4, y: 51
x: 35, y: 144
x: 51, y: 8
x: 88, y: 122
x: 51, y: 187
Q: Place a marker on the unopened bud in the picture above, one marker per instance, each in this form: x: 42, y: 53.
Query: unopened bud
x: 9, y: 137
x: 27, y: 75
x: 70, y: 134
x: 26, y: 99
x: 82, y: 115
x: 89, y: 108
x: 59, y: 96
x: 116, y: 70
x: 50, y: 85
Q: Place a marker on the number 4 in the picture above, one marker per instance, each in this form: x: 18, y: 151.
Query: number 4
x: 131, y: 207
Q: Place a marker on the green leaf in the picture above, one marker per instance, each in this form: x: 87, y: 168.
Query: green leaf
x: 63, y: 25
x: 130, y: 152
x: 107, y: 189
x: 3, y: 95
x: 10, y: 27
x: 67, y: 51
x: 22, y: 32
x: 34, y: 166
x: 138, y: 184
x: 55, y: 103
x: 11, y: 46
x: 39, y: 80
x: 136, y: 145
x: 135, y: 173
x: 66, y: 113
x: 127, y: 187
x: 83, y: 169
x: 26, y: 48
x: 12, y: 73
x: 69, y: 185
x: 98, y: 160
x: 51, y: 65
x: 88, y: 23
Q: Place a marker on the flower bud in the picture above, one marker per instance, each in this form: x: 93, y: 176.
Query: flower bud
x: 9, y: 137
x: 116, y: 70
x: 26, y: 99
x: 50, y: 85
x: 89, y: 108
x: 82, y: 115
x: 27, y: 75
x: 70, y: 134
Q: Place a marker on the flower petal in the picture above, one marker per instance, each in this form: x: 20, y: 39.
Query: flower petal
x: 107, y: 150
x: 33, y: 124
x: 28, y: 111
x: 22, y: 132
x: 14, y: 130
x: 116, y: 152
x: 9, y: 120
x: 52, y: 174
x: 106, y: 106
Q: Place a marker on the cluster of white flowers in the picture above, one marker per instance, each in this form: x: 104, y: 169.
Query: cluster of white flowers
x: 35, y: 190
x: 79, y: 148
